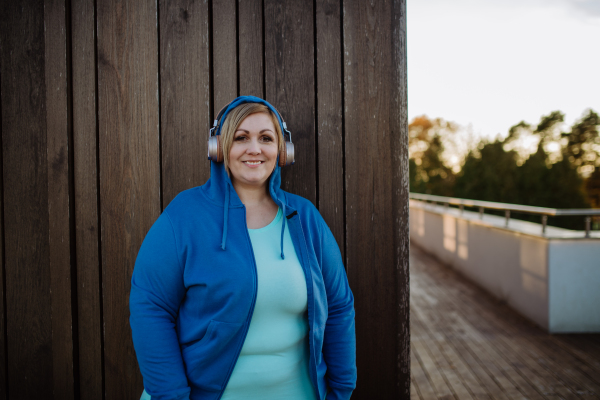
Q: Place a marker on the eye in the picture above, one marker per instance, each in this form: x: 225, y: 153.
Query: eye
x: 266, y: 138
x: 240, y: 138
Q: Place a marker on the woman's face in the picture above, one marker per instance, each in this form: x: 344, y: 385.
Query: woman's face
x: 254, y: 151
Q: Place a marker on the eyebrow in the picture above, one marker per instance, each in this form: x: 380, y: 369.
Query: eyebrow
x: 264, y: 130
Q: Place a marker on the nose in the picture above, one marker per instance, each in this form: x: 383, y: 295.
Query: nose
x: 253, y: 147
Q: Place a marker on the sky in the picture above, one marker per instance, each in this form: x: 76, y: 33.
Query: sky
x: 488, y: 64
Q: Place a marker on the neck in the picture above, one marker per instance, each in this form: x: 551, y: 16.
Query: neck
x: 252, y: 195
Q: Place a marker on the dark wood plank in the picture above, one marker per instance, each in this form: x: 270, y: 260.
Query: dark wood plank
x: 89, y: 286
x: 250, y: 39
x: 290, y: 85
x: 185, y: 95
x: 3, y: 362
x: 25, y: 169
x: 376, y: 171
x: 329, y: 118
x: 224, y: 52
x: 59, y: 191
x: 128, y: 118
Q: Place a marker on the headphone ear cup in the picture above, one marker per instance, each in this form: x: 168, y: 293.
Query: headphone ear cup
x: 283, y: 155
x: 286, y: 155
x: 215, y: 149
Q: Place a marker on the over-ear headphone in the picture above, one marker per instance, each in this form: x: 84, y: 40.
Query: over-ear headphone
x: 215, y: 145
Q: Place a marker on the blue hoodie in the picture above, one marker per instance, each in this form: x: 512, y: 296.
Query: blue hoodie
x: 194, y: 287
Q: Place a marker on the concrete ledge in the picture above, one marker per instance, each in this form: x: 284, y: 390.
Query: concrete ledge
x: 552, y: 279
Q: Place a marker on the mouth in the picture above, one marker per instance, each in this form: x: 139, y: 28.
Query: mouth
x: 253, y: 162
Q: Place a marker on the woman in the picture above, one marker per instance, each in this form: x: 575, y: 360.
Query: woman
x: 239, y: 291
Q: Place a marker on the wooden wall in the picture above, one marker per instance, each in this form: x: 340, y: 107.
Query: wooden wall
x: 105, y: 107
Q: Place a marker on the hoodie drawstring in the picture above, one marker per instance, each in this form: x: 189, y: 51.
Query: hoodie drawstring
x: 283, y: 230
x: 225, y: 216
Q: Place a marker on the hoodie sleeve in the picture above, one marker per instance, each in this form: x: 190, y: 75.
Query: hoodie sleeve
x: 157, y: 290
x: 339, y: 342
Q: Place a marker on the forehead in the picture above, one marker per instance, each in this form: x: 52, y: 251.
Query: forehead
x: 257, y: 121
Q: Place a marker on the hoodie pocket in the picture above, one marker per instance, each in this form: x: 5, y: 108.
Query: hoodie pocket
x: 207, y: 362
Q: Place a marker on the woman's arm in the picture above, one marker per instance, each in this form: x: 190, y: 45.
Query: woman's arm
x: 157, y: 290
x: 339, y: 342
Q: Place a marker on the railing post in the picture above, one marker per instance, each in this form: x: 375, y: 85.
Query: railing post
x: 461, y: 207
x: 507, y: 217
x: 544, y: 222
x: 588, y: 222
x: 480, y: 212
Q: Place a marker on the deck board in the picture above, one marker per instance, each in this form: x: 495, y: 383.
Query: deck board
x: 466, y: 344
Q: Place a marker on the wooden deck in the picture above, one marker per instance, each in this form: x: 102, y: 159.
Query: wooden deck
x: 468, y: 345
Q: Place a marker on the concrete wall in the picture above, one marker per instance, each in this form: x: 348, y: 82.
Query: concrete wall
x: 553, y: 282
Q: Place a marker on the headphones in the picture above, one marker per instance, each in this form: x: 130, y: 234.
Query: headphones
x: 215, y: 144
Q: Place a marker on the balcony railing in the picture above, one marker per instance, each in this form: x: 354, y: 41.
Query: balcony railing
x: 507, y: 208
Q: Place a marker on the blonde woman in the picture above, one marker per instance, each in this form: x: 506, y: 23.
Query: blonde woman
x: 239, y: 291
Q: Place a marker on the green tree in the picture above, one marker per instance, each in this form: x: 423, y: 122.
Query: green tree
x: 583, y: 143
x: 490, y: 174
x: 428, y: 172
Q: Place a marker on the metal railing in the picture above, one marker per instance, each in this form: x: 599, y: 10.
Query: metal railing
x: 507, y: 208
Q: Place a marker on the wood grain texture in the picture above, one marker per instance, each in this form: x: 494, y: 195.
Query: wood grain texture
x: 400, y: 189
x: 58, y: 131
x: 290, y: 86
x: 377, y: 194
x: 224, y: 31
x: 329, y: 118
x: 87, y: 230
x: 185, y: 95
x: 250, y: 39
x: 3, y: 361
x: 128, y: 118
x: 25, y: 169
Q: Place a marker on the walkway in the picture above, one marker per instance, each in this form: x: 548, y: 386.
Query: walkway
x: 468, y: 345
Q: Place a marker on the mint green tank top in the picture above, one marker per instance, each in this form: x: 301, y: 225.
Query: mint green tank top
x: 273, y: 363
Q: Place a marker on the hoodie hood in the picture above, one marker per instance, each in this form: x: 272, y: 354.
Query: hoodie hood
x: 220, y: 188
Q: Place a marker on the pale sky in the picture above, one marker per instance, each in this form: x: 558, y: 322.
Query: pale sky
x: 493, y: 63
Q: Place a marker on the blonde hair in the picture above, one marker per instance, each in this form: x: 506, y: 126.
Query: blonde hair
x: 234, y: 120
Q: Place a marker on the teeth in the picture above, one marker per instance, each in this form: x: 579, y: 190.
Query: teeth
x: 252, y: 162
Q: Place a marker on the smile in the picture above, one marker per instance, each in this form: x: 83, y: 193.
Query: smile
x: 253, y: 162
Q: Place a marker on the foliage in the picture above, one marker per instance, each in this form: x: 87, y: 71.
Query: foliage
x: 561, y: 171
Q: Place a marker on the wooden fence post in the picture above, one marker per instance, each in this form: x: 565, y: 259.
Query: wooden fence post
x: 377, y: 193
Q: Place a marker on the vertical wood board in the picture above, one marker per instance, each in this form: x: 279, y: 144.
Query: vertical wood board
x: 290, y: 86
x: 329, y: 118
x: 128, y: 118
x: 89, y: 305
x: 185, y: 95
x: 250, y: 39
x: 371, y: 114
x: 400, y: 192
x: 3, y: 361
x: 224, y: 31
x: 29, y: 334
x: 59, y: 234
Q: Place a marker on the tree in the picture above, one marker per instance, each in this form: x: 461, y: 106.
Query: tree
x: 490, y: 174
x: 583, y: 144
x: 429, y: 172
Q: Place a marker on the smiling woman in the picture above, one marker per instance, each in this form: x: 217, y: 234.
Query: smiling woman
x: 266, y: 313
